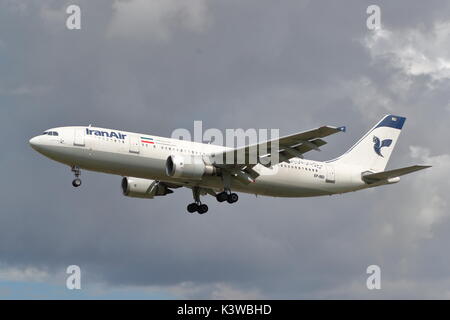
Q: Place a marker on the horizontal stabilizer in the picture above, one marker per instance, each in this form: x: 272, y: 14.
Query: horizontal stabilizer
x: 384, y: 175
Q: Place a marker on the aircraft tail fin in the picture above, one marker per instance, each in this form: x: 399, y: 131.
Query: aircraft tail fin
x: 374, y: 149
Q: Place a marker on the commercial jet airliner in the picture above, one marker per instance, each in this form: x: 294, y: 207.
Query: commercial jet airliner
x: 154, y: 166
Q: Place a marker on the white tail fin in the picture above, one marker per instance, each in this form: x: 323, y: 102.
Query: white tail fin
x: 373, y: 150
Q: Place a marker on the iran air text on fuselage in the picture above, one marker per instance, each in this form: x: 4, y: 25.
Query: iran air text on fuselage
x: 111, y: 134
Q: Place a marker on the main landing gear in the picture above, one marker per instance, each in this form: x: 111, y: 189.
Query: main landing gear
x: 227, y: 196
x: 197, y: 206
x: 77, y: 181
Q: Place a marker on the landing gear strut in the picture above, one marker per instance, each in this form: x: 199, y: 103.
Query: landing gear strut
x: 197, y: 206
x: 77, y: 181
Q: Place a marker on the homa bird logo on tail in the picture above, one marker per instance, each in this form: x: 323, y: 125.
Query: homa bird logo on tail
x: 377, y: 145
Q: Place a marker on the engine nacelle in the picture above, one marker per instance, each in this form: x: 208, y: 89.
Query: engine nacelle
x: 143, y: 188
x: 189, y: 167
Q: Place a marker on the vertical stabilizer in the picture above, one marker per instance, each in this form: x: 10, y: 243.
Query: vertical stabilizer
x: 373, y: 150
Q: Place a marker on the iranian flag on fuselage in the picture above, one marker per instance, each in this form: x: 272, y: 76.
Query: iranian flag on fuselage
x: 147, y: 140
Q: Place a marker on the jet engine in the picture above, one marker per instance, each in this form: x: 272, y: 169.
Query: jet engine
x: 189, y: 167
x: 143, y: 188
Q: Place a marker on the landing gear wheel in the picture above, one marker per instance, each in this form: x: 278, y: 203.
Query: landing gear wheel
x: 76, y: 171
x: 203, y: 208
x: 76, y: 183
x: 221, y: 197
x: 232, y: 198
x: 192, y: 207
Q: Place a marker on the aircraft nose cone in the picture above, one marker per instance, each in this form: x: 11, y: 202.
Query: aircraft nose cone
x: 34, y: 142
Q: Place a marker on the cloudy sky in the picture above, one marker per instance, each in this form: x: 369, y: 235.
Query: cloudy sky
x: 157, y: 65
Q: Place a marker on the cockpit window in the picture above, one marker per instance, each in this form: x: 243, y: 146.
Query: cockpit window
x: 51, y: 133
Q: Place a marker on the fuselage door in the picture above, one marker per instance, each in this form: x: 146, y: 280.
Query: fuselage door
x: 330, y: 174
x: 134, y: 144
x: 79, y: 137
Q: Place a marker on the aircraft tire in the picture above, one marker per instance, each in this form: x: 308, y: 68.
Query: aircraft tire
x: 203, y: 208
x: 76, y: 182
x: 232, y: 198
x: 192, y: 207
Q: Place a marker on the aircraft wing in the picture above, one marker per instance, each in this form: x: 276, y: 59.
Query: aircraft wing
x: 294, y: 145
x: 240, y: 161
x: 384, y: 175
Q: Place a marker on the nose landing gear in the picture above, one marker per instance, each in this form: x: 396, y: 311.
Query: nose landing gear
x: 77, y: 181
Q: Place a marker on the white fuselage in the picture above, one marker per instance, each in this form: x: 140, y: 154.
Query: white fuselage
x: 144, y: 156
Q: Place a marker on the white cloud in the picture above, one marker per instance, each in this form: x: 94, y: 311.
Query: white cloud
x: 432, y: 201
x: 224, y: 291
x: 157, y: 19
x: 416, y: 51
x: 216, y: 290
x: 28, y: 274
x: 409, y: 216
x: 182, y: 290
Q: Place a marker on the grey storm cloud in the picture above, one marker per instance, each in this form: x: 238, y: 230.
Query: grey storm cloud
x: 155, y: 66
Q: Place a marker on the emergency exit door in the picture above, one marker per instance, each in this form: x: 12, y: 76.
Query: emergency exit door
x: 329, y: 174
x: 79, y: 137
x: 134, y: 144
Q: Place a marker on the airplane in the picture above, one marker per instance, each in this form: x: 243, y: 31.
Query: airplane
x: 153, y: 166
